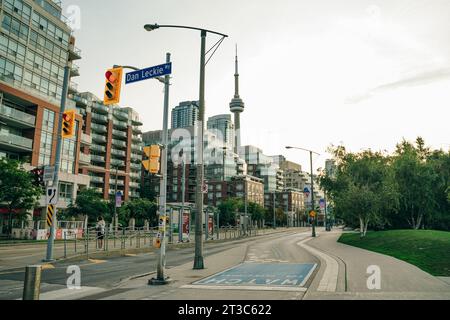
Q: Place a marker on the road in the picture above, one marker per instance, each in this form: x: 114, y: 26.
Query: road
x: 290, y: 265
x: 103, y: 274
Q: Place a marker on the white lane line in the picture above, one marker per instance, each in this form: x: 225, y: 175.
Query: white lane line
x: 328, y: 283
x: 254, y: 288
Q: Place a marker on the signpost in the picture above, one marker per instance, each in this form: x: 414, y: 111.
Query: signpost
x: 148, y: 73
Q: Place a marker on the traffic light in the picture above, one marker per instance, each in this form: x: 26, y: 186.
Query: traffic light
x: 38, y: 177
x: 113, y: 86
x: 154, y: 154
x: 68, y: 124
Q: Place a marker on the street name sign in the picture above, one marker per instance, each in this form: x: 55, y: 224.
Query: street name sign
x: 148, y: 73
x: 49, y: 173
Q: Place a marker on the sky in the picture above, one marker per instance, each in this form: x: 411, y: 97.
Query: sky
x: 365, y: 74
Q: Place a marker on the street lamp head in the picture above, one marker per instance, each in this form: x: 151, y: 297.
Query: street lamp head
x: 289, y: 147
x: 151, y: 27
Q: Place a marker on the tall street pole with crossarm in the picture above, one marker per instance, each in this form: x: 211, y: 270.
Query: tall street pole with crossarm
x: 312, y: 185
x: 198, y: 259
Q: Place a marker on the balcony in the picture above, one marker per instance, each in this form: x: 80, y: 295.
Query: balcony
x: 134, y: 185
x: 120, y: 124
x: 135, y: 175
x: 75, y: 71
x: 113, y: 182
x: 117, y: 163
x: 16, y: 117
x: 98, y: 138
x: 119, y: 153
x: 15, y: 142
x: 136, y: 147
x: 137, y: 122
x: 98, y: 148
x: 121, y: 114
x: 74, y: 53
x: 137, y: 157
x: 79, y: 100
x: 133, y: 194
x: 86, y: 139
x: 119, y: 143
x: 98, y: 128
x: 100, y: 108
x: 84, y: 158
x: 120, y: 134
x: 97, y: 179
x: 137, y: 130
x: 73, y: 87
x: 136, y: 166
x: 96, y: 158
x: 99, y: 118
x: 136, y: 138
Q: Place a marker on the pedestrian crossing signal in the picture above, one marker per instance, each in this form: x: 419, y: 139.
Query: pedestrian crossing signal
x: 113, y: 86
x: 68, y: 124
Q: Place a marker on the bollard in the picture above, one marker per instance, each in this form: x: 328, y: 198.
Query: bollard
x: 76, y: 237
x: 32, y: 284
x: 65, y: 244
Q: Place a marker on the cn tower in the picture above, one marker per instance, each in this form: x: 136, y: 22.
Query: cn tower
x: 237, y: 107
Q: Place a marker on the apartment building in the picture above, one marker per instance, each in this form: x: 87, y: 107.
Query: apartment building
x: 35, y: 46
x: 113, y: 159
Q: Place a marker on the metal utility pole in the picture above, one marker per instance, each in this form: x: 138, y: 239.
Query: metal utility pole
x: 116, y: 218
x: 198, y: 259
x: 51, y: 239
x: 312, y: 195
x: 160, y: 278
x: 312, y: 186
x: 183, y: 191
x: 274, y: 213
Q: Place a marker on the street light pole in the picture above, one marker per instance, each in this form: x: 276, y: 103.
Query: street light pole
x: 160, y: 277
x: 312, y: 195
x: 274, y: 215
x: 198, y: 259
x: 312, y: 185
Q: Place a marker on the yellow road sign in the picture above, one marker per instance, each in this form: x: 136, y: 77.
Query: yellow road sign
x: 50, y: 214
x: 312, y: 214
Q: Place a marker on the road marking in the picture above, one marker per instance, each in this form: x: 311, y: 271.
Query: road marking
x: 256, y: 288
x: 328, y: 283
x: 261, y: 275
x: 47, y: 266
x: 96, y: 261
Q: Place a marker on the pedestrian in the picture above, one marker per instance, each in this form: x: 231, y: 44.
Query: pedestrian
x: 100, y: 228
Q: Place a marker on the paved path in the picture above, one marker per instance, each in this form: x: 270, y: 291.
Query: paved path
x: 399, y: 279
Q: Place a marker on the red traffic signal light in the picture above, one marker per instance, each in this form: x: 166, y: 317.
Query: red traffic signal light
x: 68, y: 124
x: 113, y: 86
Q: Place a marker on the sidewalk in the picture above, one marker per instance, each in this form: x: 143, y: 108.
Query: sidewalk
x: 399, y: 279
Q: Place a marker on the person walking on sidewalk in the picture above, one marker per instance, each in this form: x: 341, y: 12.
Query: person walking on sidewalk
x: 100, y: 228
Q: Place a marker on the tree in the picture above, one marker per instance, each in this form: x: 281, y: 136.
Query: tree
x: 140, y: 209
x: 228, y: 210
x: 17, y: 190
x: 256, y: 211
x: 416, y: 182
x: 89, y: 203
x: 363, y: 189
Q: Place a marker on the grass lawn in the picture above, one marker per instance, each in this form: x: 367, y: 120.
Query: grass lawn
x: 427, y: 249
